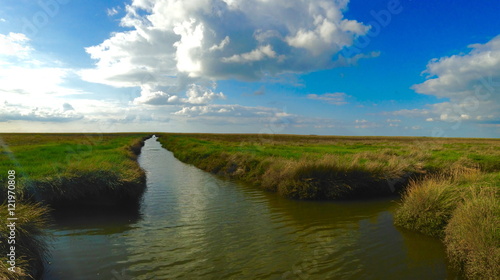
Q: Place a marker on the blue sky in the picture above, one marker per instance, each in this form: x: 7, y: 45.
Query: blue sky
x: 424, y: 68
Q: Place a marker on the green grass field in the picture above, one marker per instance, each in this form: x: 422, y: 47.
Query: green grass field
x: 53, y: 167
x: 58, y: 171
x: 449, y: 186
x: 323, y: 167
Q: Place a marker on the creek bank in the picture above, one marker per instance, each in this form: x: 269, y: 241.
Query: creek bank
x: 321, y: 179
x: 100, y: 187
x: 451, y: 197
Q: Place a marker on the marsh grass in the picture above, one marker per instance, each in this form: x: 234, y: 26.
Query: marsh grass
x: 473, y: 237
x: 460, y: 206
x: 327, y: 167
x: 63, y: 167
x: 428, y: 202
x: 62, y: 171
x: 449, y: 186
x: 31, y: 249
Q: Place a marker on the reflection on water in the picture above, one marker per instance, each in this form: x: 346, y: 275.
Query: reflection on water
x: 192, y: 225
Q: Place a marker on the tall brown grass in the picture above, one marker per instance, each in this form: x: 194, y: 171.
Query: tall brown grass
x: 31, y: 249
x: 461, y: 206
x: 472, y: 236
x: 428, y: 202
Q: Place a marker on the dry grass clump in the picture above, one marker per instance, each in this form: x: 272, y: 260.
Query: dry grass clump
x: 333, y: 177
x: 428, y: 203
x: 461, y: 206
x: 473, y: 235
x: 31, y: 249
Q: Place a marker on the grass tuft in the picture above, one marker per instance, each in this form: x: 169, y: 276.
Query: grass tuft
x: 473, y: 236
x: 31, y: 249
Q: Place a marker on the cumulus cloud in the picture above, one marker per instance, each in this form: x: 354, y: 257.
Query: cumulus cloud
x: 14, y: 44
x: 336, y: 98
x: 263, y: 117
x: 227, y: 110
x: 258, y: 54
x: 195, y: 94
x: 270, y: 120
x: 470, y: 82
x: 173, y: 44
x: 15, y: 112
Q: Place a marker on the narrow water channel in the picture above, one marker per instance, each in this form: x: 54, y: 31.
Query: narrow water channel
x: 192, y: 225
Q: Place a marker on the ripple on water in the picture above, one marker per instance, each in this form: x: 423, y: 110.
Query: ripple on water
x: 194, y: 226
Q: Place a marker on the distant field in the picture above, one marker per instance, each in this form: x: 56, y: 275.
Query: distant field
x: 428, y: 153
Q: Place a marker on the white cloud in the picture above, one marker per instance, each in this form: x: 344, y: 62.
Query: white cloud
x: 393, y: 122
x: 21, y: 73
x: 336, y: 98
x: 112, y: 11
x: 14, y: 44
x: 327, y: 35
x: 268, y: 120
x: 3, y: 20
x: 220, y: 46
x: 263, y: 117
x: 363, y: 124
x: 31, y: 89
x: 256, y: 55
x: 34, y: 80
x: 469, y: 81
x: 10, y: 112
x: 195, y: 94
x: 172, y: 44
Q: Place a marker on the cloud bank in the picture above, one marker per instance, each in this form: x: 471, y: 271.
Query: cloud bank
x: 173, y: 46
x: 469, y: 82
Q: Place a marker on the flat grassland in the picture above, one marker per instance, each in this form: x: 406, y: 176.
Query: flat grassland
x: 58, y: 171
x: 331, y: 167
x: 449, y: 186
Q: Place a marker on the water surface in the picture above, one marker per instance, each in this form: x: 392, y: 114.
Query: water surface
x: 192, y: 225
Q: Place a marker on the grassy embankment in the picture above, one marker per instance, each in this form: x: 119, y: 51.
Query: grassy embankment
x: 59, y: 171
x: 450, y: 185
